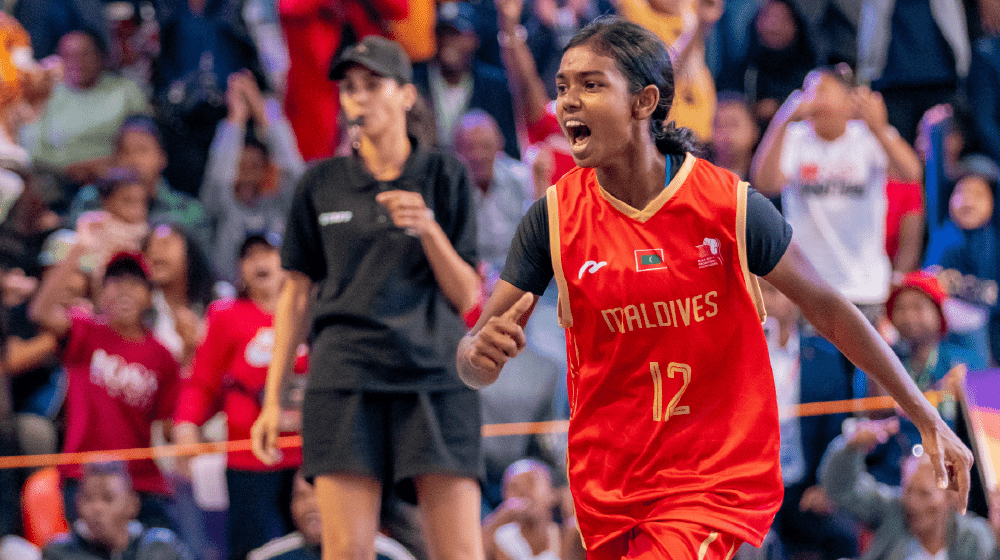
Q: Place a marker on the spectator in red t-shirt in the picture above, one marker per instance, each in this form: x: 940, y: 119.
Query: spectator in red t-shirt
x: 120, y: 378
x: 229, y: 371
x: 904, y: 225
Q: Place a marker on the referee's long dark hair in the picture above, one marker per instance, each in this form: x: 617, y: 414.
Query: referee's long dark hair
x: 644, y: 60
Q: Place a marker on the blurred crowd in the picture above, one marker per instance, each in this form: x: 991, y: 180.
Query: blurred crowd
x: 149, y: 151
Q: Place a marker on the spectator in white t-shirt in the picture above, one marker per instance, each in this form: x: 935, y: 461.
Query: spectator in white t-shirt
x: 828, y: 152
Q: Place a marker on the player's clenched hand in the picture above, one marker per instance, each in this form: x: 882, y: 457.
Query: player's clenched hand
x: 500, y: 339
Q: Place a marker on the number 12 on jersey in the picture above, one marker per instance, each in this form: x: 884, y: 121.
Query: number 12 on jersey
x: 673, y: 368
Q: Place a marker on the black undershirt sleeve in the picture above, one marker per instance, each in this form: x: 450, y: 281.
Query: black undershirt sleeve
x: 768, y: 234
x: 529, y: 262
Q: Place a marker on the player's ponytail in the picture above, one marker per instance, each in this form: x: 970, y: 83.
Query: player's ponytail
x: 644, y: 60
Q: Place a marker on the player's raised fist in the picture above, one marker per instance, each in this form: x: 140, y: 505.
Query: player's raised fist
x: 483, y: 353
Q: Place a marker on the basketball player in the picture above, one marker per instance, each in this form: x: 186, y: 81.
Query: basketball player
x: 673, y: 439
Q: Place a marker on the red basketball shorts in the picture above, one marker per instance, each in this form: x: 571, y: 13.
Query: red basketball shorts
x: 668, y: 540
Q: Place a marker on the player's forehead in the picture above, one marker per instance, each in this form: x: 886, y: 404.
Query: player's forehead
x: 583, y: 62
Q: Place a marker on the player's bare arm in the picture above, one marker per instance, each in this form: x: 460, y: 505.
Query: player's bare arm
x: 841, y: 322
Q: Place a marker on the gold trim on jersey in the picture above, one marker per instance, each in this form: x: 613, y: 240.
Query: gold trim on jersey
x: 654, y: 205
x: 753, y: 288
x: 555, y: 247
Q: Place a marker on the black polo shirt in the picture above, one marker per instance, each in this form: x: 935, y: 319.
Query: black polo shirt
x: 380, y: 323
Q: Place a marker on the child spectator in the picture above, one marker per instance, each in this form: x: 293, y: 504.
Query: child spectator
x: 915, y: 308
x: 139, y: 147
x: 971, y: 209
x: 828, y: 152
x: 523, y: 528
x: 228, y: 373
x: 108, y: 525
x: 973, y: 254
x: 305, y: 542
x: 248, y: 184
x: 121, y: 224
x: 918, y: 520
x: 183, y: 287
x: 120, y: 378
x: 734, y: 135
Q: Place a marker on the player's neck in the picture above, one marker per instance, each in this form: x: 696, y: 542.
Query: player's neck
x: 637, y: 178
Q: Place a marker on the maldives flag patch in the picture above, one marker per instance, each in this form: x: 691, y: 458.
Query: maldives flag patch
x: 649, y: 259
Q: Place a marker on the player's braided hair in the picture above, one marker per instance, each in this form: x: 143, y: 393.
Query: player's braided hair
x: 643, y: 60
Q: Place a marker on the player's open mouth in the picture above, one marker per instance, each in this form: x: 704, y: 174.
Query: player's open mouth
x: 577, y: 132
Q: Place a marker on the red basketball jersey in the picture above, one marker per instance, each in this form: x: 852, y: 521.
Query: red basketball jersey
x: 673, y: 404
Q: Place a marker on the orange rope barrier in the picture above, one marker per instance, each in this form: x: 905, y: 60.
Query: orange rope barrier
x: 489, y: 430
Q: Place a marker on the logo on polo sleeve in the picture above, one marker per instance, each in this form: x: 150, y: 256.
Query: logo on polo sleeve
x: 649, y: 259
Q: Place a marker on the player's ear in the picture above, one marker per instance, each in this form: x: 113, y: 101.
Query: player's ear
x: 645, y: 102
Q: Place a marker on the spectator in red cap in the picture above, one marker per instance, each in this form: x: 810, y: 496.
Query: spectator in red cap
x: 120, y: 378
x: 916, y: 309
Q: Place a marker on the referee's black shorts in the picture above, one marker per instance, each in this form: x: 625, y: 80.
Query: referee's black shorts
x: 392, y: 437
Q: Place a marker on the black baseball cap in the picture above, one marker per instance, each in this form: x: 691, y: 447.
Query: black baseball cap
x: 378, y: 54
x: 267, y: 238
